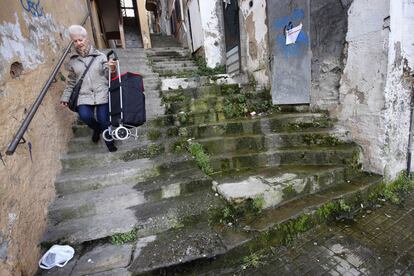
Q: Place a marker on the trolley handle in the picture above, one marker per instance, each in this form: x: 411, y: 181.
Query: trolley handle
x: 112, y: 52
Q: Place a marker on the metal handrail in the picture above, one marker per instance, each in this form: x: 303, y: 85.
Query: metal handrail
x: 22, y: 130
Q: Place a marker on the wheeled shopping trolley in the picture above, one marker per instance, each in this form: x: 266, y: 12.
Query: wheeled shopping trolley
x: 126, y: 104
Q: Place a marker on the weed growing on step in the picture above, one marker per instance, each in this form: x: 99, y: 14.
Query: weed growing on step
x: 204, y: 70
x: 200, y: 156
x: 253, y: 260
x: 122, y: 238
x: 289, y: 192
x: 179, y: 146
x: 241, y: 103
x: 154, y: 134
x: 393, y: 191
x: 231, y: 213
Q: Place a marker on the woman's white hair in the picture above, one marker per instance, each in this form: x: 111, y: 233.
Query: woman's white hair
x: 78, y: 30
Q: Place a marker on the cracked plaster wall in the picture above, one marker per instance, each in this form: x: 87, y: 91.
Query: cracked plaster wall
x: 35, y: 39
x: 253, y: 28
x: 213, y: 32
x: 361, y: 95
x: 375, y: 86
x: 399, y: 86
x: 328, y: 31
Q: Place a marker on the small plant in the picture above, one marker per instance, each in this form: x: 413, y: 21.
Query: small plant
x: 253, y: 260
x: 343, y: 206
x: 204, y: 70
x: 289, y: 192
x: 154, y: 134
x: 201, y: 157
x: 121, y: 238
x: 179, y: 146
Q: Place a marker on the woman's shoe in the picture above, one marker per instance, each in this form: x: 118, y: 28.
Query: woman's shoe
x: 112, y: 148
x: 95, y: 136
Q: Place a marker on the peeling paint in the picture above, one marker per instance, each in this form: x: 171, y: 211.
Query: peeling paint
x: 257, y: 46
x: 213, y: 39
x: 27, y: 48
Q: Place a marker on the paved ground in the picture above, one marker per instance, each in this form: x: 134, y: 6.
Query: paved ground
x: 379, y: 241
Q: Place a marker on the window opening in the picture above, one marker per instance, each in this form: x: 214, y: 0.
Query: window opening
x: 127, y: 8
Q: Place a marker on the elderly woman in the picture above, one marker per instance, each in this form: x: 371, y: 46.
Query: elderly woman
x: 93, y: 95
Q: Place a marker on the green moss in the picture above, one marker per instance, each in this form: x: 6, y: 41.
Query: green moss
x: 394, y: 191
x: 289, y: 192
x: 154, y: 134
x: 173, y: 131
x: 151, y: 151
x: 253, y: 260
x: 179, y: 146
x: 231, y: 213
x: 121, y: 238
x: 201, y: 157
x: 204, y: 70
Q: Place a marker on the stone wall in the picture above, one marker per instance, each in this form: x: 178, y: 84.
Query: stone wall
x: 32, y: 39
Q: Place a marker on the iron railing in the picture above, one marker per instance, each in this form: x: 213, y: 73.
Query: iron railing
x: 18, y: 137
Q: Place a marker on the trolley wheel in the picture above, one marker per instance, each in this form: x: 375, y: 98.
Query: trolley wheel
x: 106, y: 135
x: 122, y: 133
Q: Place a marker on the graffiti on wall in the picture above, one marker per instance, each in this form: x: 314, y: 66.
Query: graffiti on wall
x: 300, y: 47
x: 32, y: 7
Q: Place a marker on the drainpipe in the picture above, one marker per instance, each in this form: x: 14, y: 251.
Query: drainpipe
x: 410, y: 137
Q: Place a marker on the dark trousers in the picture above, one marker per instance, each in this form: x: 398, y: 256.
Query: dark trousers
x: 87, y: 115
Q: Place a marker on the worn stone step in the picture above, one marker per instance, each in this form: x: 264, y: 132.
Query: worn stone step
x: 125, y: 153
x: 275, y: 186
x: 168, y: 51
x: 312, y: 155
x: 214, y: 124
x: 178, y: 72
x: 213, y: 104
x: 118, y: 173
x: 200, y: 248
x: 180, y: 66
x: 161, y: 59
x: 84, y: 153
x: 109, y: 199
x: 148, y: 219
x: 262, y: 142
x: 173, y: 63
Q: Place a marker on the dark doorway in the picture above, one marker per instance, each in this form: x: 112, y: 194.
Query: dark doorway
x: 132, y: 28
x: 232, y: 36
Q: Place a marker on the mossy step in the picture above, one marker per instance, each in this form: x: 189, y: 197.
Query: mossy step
x: 213, y: 103
x: 200, y: 91
x: 82, y: 152
x: 261, y: 142
x: 314, y: 155
x: 175, y: 63
x: 148, y: 219
x: 222, y: 246
x: 168, y: 53
x: 92, y: 159
x: 111, y: 198
x: 203, y: 125
x: 274, y: 186
x: 118, y: 173
x: 214, y: 124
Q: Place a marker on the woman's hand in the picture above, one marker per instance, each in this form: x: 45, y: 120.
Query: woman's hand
x: 64, y: 104
x: 111, y: 65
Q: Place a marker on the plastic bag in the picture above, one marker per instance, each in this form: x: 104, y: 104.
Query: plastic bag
x: 57, y: 255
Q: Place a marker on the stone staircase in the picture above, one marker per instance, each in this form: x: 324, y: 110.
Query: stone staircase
x: 148, y: 208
